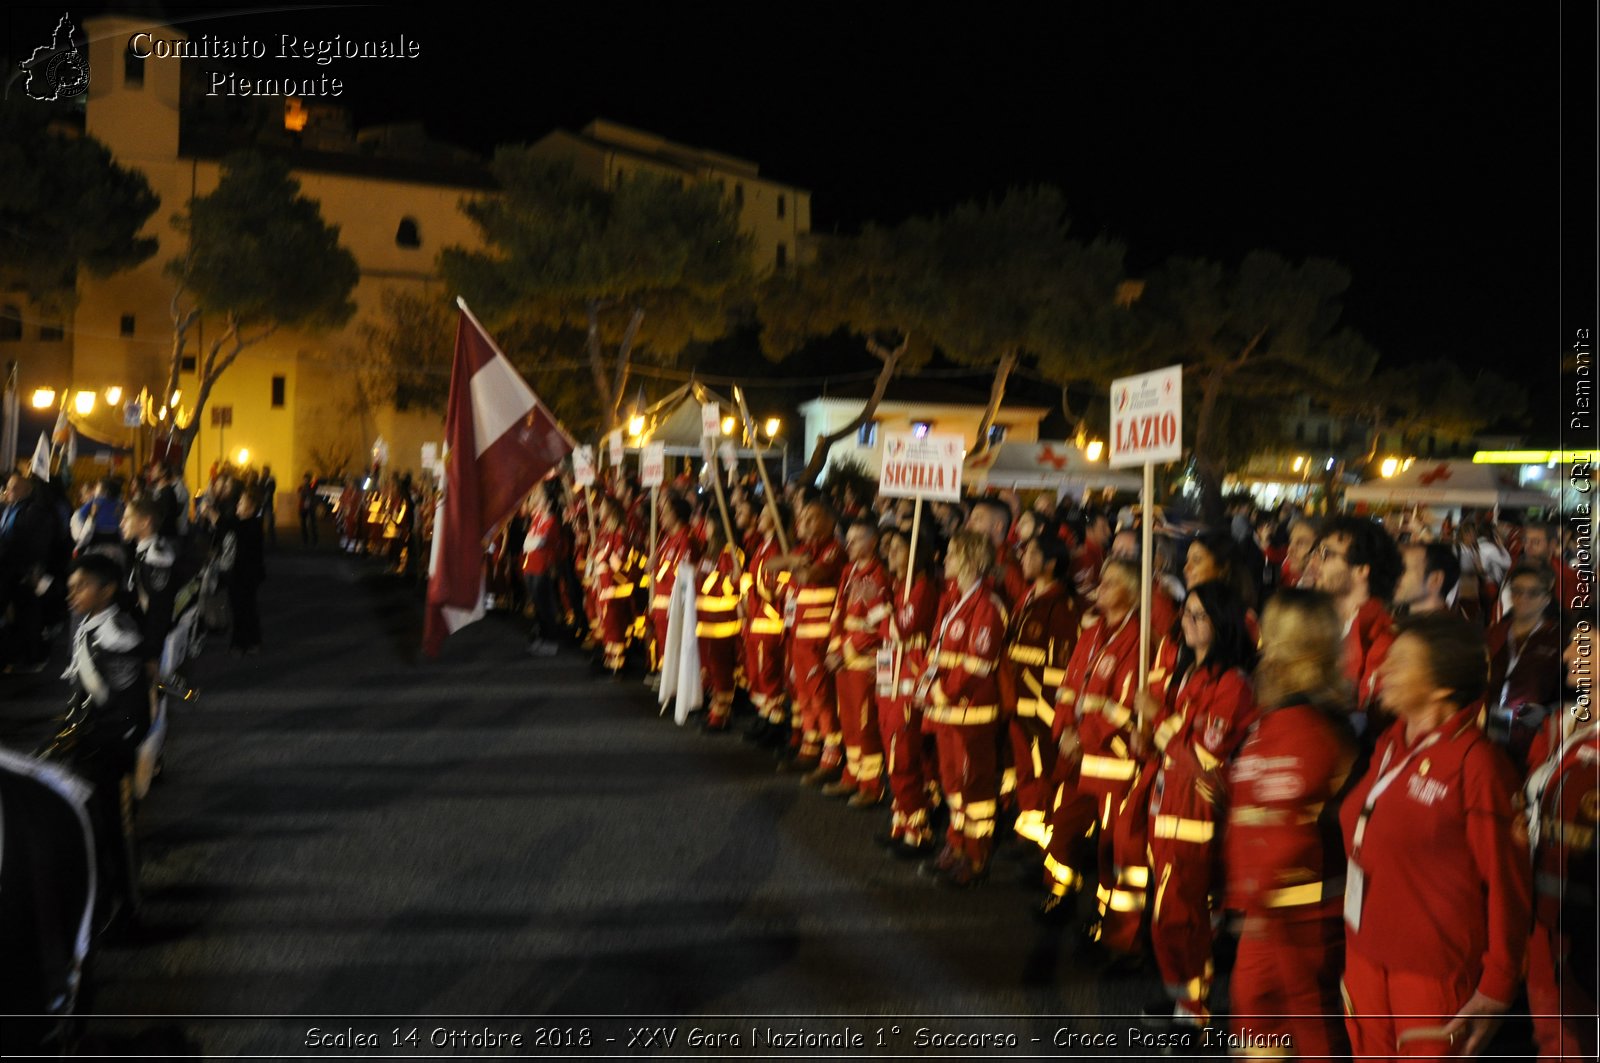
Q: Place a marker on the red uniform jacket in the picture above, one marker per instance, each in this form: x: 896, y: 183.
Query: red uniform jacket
x: 1444, y: 858
x: 1006, y: 578
x: 1097, y: 698
x: 814, y: 596
x: 1044, y: 629
x: 1534, y: 676
x: 617, y: 565
x: 1204, y: 722
x: 1281, y: 849
x: 859, y: 613
x: 967, y: 644
x: 674, y: 548
x: 760, y: 586
x: 910, y: 629
x: 717, y: 597
x: 542, y: 545
x: 1366, y: 644
x: 1563, y: 794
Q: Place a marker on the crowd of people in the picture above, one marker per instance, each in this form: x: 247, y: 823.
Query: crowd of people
x: 133, y: 577
x: 1355, y: 745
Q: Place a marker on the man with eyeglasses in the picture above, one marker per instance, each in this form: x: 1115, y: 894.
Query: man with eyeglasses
x: 1541, y: 549
x: 1358, y: 566
x: 1524, y: 657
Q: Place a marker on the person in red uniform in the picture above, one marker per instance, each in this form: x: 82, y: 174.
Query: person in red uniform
x: 717, y: 625
x: 1095, y: 720
x: 616, y: 571
x: 814, y: 570
x: 1542, y: 549
x: 541, y: 550
x: 991, y: 518
x: 1524, y: 680
x: 1438, y: 901
x: 1039, y: 642
x: 907, y: 634
x: 1207, y: 711
x: 1281, y: 854
x: 1090, y: 558
x: 1429, y: 573
x: 1358, y: 566
x: 859, y: 613
x: 960, y: 695
x: 761, y: 586
x: 1563, y: 801
x: 1303, y: 536
x: 674, y: 548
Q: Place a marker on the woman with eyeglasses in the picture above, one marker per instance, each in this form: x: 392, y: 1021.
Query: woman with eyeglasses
x: 1437, y: 901
x: 1563, y: 802
x: 1209, y: 706
x: 1282, y: 856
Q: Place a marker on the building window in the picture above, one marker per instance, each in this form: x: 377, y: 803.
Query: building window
x: 186, y: 364
x: 783, y: 256
x: 783, y: 204
x: 51, y: 332
x: 407, y: 235
x: 132, y: 70
x: 1299, y: 431
x: 738, y: 194
x: 10, y: 322
x: 1322, y: 435
x: 867, y: 434
x: 997, y: 434
x: 920, y: 429
x: 127, y: 324
x: 279, y: 384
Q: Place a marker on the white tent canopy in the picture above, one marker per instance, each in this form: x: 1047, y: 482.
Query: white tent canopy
x: 675, y: 423
x: 1057, y: 465
x: 1450, y: 484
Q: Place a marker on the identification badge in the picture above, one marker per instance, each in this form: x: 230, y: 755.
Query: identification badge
x: 885, y: 672
x: 924, y: 686
x: 789, y: 611
x: 1354, y: 887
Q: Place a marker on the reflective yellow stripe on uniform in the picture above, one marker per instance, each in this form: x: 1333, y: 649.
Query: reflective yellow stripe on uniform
x: 812, y: 631
x: 1198, y: 831
x: 1030, y: 655
x: 763, y: 625
x: 1307, y: 893
x: 1054, y: 677
x: 955, y: 715
x: 1574, y: 836
x: 726, y: 629
x: 814, y: 596
x: 1094, y: 767
x: 720, y: 602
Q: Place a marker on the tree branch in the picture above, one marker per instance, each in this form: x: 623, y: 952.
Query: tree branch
x: 891, y: 364
x: 624, y: 353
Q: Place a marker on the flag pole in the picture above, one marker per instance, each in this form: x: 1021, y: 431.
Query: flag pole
x: 761, y: 466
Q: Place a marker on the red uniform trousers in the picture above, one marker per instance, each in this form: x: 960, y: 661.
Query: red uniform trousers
x: 763, y: 675
x: 1384, y: 1008
x: 719, y: 660
x: 1033, y: 758
x: 1072, y: 818
x: 1285, y: 984
x: 858, y: 725
x: 814, y: 700
x: 900, y: 730
x: 969, y: 774
x: 658, y: 631
x: 1182, y: 870
x: 616, y: 624
x: 1563, y: 1011
x: 1122, y: 856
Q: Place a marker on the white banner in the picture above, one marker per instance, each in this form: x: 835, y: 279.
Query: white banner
x: 710, y: 419
x: 926, y: 467
x: 1147, y: 417
x: 583, y: 466
x: 730, y: 457
x: 614, y: 443
x: 653, y: 465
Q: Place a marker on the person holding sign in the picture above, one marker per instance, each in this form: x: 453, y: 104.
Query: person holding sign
x: 858, y: 615
x: 904, y: 658
x: 761, y: 585
x: 1438, y: 892
x: 960, y: 695
x: 1094, y: 725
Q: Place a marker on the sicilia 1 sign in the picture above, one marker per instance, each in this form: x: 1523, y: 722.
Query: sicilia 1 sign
x: 1147, y: 417
x: 929, y: 467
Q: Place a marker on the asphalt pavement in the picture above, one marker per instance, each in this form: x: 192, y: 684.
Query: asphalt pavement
x: 345, y: 829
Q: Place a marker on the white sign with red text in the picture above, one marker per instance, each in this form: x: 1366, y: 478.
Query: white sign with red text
x: 710, y: 420
x: 583, y: 466
x: 653, y: 465
x: 922, y: 467
x: 614, y: 448
x: 1147, y: 417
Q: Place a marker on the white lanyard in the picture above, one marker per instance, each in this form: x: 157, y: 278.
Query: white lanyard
x: 1545, y: 774
x: 1385, y: 780
x: 1514, y: 654
x: 949, y: 618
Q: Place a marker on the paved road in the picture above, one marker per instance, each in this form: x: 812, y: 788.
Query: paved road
x: 344, y: 829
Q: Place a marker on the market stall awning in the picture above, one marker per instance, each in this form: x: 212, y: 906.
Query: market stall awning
x: 1450, y: 483
x: 1055, y: 464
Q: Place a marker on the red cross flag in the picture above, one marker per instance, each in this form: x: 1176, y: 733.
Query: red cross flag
x: 500, y: 441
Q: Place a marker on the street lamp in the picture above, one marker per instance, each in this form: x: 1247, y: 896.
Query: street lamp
x: 1094, y: 450
x: 244, y: 456
x: 773, y: 426
x: 636, y: 425
x: 727, y: 426
x: 1389, y: 467
x: 113, y: 395
x: 83, y: 402
x: 44, y: 398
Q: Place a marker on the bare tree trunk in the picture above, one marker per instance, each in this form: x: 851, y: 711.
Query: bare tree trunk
x: 597, y: 362
x: 997, y: 393
x: 1205, y: 463
x: 890, y: 363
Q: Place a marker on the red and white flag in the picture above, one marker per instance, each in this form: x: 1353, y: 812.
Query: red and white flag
x: 500, y: 441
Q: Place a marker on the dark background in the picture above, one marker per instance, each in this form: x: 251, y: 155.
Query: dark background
x: 1419, y: 144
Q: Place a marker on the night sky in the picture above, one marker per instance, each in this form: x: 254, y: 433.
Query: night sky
x: 1419, y: 144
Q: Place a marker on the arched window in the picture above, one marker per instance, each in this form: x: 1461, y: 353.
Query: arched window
x: 407, y: 234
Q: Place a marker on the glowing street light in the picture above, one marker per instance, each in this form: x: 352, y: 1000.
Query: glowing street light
x: 1094, y: 450
x: 44, y: 398
x: 636, y: 425
x: 1299, y: 462
x: 113, y: 395
x: 176, y: 396
x: 1389, y: 467
x: 244, y: 456
x: 772, y: 426
x: 727, y: 426
x: 83, y: 402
